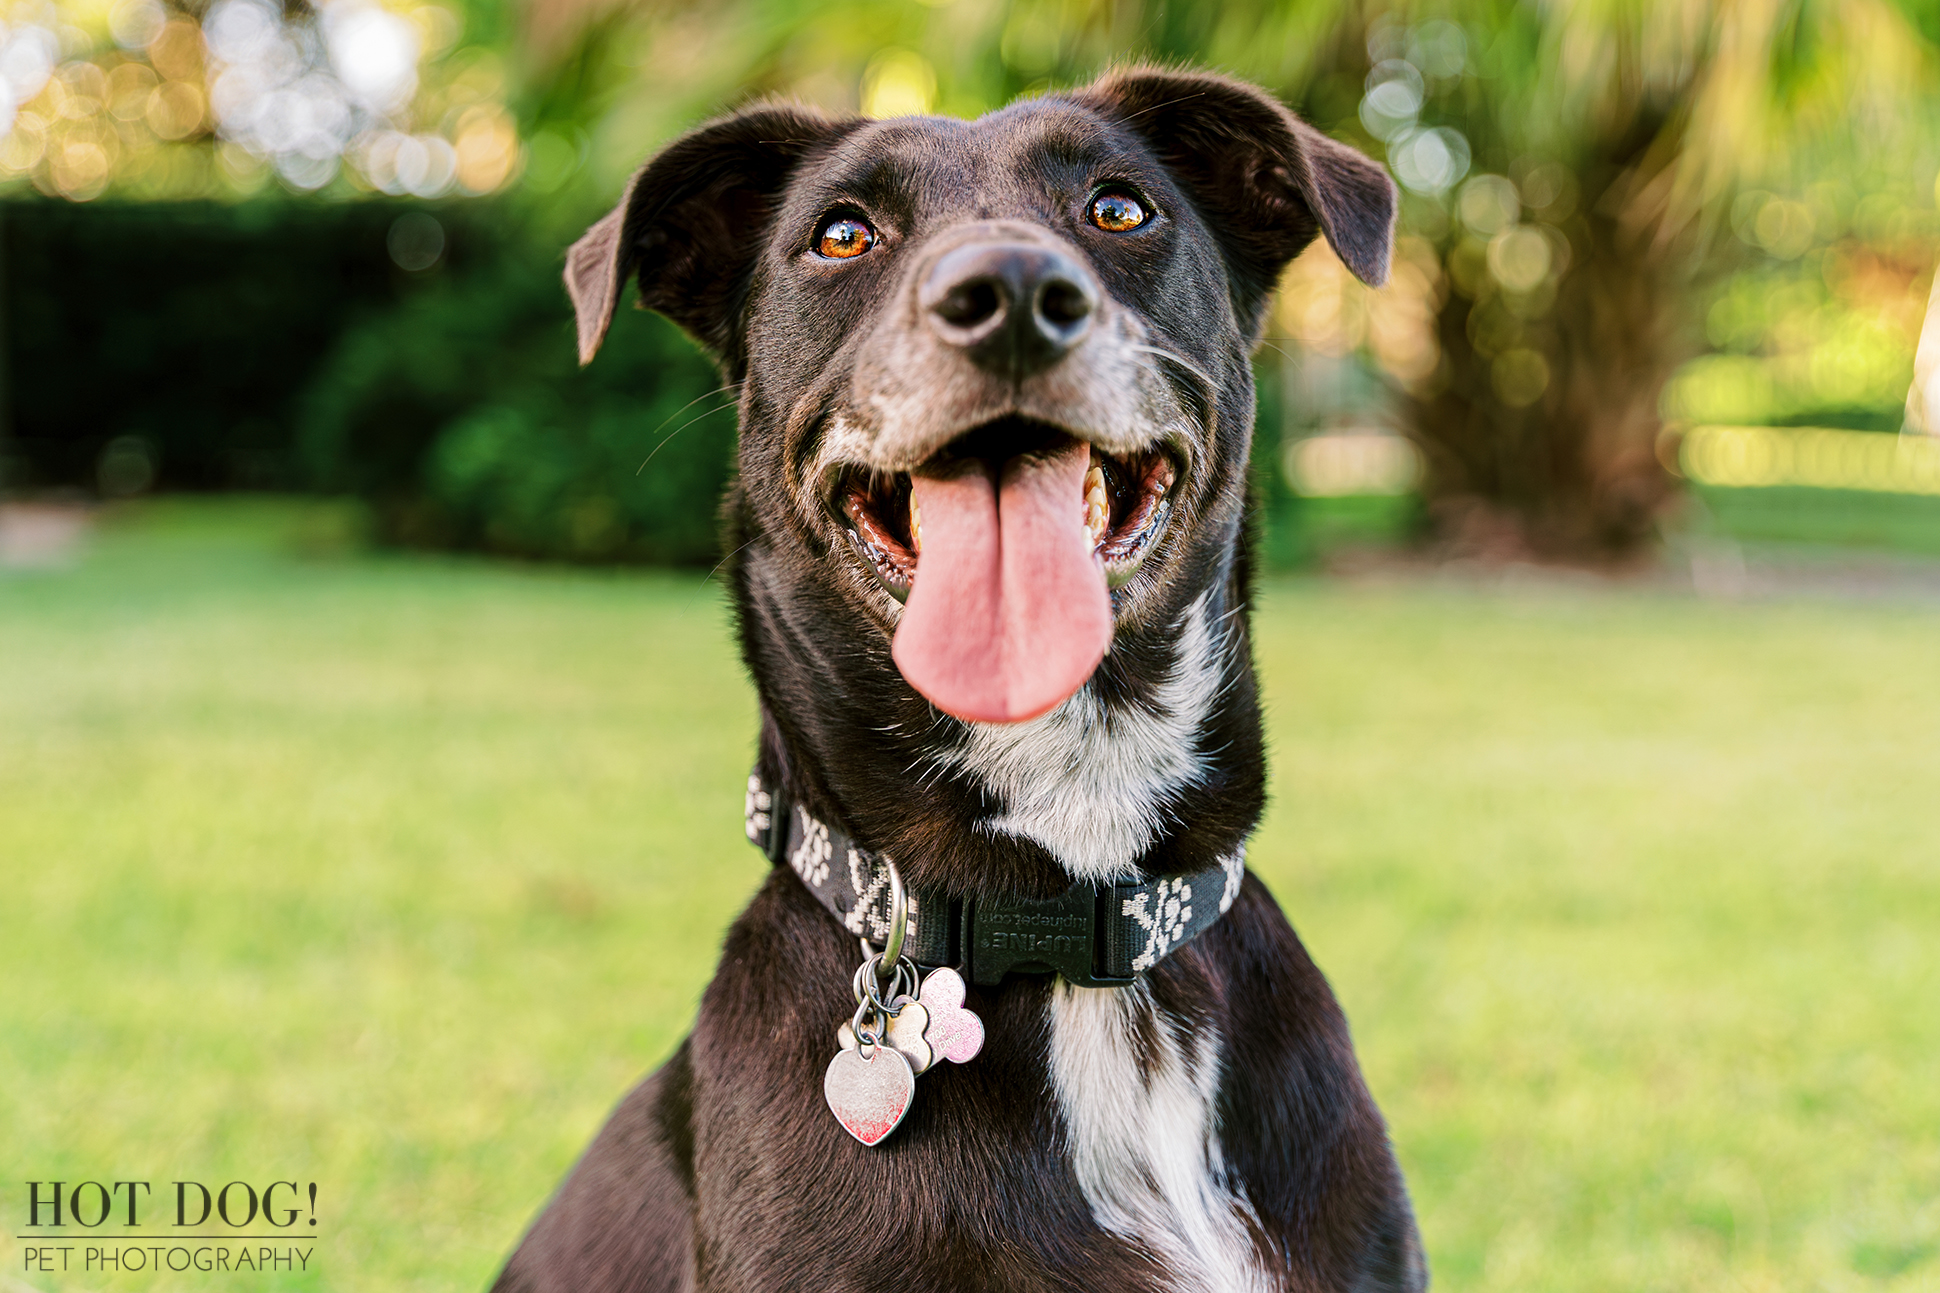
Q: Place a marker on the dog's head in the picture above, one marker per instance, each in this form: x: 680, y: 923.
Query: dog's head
x: 995, y: 385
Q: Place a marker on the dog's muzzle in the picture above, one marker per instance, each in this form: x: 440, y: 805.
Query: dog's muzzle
x: 1010, y: 457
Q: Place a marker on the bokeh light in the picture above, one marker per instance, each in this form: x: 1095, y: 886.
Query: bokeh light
x: 898, y: 83
x: 1819, y: 457
x: 155, y: 101
x: 1344, y: 464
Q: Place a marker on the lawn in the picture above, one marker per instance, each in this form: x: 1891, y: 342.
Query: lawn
x: 1822, y: 517
x: 392, y: 873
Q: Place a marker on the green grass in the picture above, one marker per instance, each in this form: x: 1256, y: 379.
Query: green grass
x: 1299, y: 534
x: 393, y: 873
x: 1836, y: 518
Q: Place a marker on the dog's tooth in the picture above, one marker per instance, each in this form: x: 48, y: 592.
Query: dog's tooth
x: 915, y: 525
x: 1097, y: 506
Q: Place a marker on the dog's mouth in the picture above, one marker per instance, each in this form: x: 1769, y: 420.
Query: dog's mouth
x: 1003, y: 548
x: 1125, y: 501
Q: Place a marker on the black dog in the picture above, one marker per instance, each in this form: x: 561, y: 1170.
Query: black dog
x: 991, y: 565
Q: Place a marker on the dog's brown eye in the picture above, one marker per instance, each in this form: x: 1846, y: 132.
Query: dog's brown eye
x: 844, y: 238
x: 1117, y: 212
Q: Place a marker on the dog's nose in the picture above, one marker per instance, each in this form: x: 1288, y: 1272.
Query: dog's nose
x: 1014, y: 307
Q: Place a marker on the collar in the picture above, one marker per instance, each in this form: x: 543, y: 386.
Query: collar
x: 1093, y: 935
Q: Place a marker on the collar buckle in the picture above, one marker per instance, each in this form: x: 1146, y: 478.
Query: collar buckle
x: 1040, y: 936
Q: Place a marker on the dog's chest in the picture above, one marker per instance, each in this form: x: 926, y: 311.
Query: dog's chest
x: 1136, y: 1093
x: 1138, y: 1098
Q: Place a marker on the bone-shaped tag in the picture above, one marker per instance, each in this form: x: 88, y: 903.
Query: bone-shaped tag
x: 905, y: 1034
x: 954, y: 1033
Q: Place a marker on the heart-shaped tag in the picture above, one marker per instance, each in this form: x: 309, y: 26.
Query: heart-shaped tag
x: 955, y: 1034
x: 869, y: 1096
x: 904, y: 1034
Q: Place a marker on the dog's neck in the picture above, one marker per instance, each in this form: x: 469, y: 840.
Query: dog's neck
x: 1153, y: 768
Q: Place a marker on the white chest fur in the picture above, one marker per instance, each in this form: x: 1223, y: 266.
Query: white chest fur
x: 1143, y: 1137
x: 1089, y: 783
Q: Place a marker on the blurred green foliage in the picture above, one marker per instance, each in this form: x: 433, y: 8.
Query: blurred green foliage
x: 1615, y: 216
x: 463, y: 419
x: 278, y: 344
x: 1827, y: 339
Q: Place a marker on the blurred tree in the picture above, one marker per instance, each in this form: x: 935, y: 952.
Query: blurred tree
x: 166, y: 99
x: 1574, y: 175
x: 1608, y: 145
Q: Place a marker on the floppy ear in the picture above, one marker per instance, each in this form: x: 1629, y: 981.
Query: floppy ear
x: 691, y: 223
x: 1264, y: 181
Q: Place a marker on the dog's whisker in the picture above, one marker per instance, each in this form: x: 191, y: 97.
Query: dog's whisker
x: 1166, y: 103
x: 677, y: 430
x: 729, y: 557
x: 727, y: 388
x: 1180, y: 360
x: 1280, y: 350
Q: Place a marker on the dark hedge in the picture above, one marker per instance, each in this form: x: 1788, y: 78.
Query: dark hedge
x: 277, y: 345
x: 193, y: 325
x: 464, y: 418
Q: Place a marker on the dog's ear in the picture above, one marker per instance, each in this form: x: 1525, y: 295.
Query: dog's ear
x: 1264, y: 181
x: 691, y: 223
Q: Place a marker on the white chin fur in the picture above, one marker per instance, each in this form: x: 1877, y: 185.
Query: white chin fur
x: 1088, y: 784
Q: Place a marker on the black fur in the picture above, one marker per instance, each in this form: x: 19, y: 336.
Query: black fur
x: 725, y: 1170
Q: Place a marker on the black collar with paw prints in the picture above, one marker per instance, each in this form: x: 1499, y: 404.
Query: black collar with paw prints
x: 1092, y: 935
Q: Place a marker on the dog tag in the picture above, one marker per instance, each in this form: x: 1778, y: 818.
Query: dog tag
x: 906, y: 1032
x: 954, y: 1033
x: 869, y: 1094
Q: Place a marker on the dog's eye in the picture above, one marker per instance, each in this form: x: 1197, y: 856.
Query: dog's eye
x: 844, y: 238
x: 1116, y: 211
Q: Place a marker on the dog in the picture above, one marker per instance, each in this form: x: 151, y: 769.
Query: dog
x: 991, y: 573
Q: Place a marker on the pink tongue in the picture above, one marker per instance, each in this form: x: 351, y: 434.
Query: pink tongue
x: 1008, y: 613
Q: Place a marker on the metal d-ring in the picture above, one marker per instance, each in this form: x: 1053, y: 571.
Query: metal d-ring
x: 890, y: 963
x: 892, y: 948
